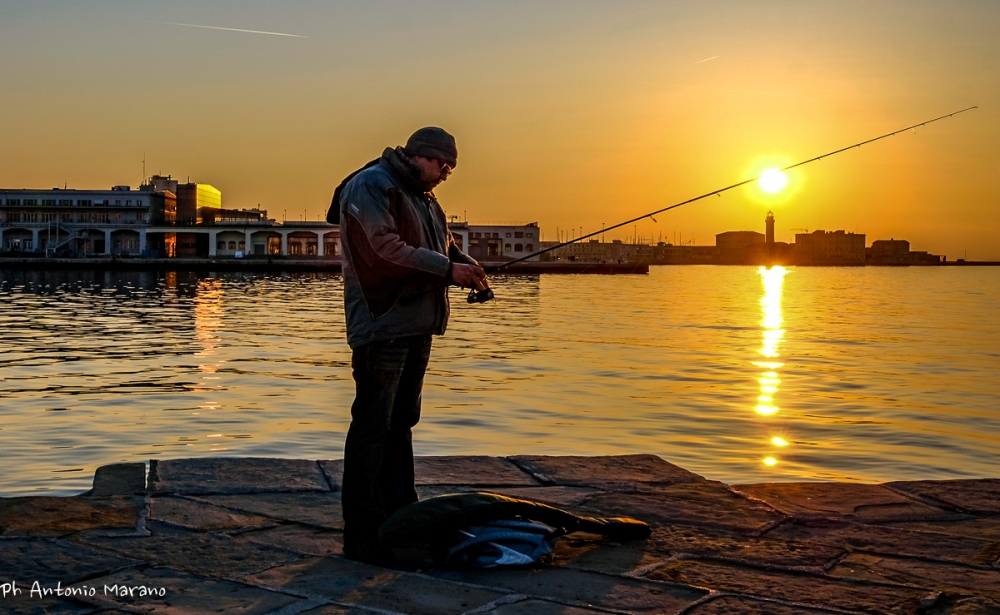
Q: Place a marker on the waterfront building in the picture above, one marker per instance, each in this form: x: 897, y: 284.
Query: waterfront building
x: 739, y: 247
x: 751, y: 247
x: 265, y: 237
x: 897, y: 252
x: 145, y: 222
x: 590, y: 251
x: 193, y: 201
x: 738, y: 240
x: 617, y: 251
x: 73, y: 222
x: 497, y: 243
x: 670, y: 254
x: 829, y: 248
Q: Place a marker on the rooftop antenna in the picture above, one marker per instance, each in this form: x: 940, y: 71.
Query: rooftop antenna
x: 143, y: 166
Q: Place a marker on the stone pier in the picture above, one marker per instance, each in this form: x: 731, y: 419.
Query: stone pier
x: 264, y: 536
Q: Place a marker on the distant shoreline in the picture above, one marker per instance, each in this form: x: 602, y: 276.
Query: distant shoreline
x: 281, y: 264
x: 284, y: 264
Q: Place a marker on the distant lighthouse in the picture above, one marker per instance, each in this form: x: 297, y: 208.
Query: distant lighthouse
x: 769, y: 235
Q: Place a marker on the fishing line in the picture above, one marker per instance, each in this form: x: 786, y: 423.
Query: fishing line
x: 501, y: 267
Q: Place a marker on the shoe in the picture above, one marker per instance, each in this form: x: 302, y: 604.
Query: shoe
x: 371, y: 553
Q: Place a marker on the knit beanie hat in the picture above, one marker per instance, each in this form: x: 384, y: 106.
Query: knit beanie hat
x: 433, y: 142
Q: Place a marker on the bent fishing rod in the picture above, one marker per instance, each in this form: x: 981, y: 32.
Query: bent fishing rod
x: 501, y: 267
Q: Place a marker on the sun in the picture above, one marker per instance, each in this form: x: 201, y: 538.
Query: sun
x: 773, y: 181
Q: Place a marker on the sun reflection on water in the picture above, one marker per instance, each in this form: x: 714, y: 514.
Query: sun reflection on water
x: 773, y: 278
x: 208, y: 323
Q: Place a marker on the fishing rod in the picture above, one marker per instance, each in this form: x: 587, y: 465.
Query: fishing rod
x: 496, y: 268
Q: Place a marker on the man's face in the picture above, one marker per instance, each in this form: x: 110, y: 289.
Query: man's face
x: 433, y: 171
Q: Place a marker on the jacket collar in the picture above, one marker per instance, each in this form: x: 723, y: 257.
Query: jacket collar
x: 405, y: 170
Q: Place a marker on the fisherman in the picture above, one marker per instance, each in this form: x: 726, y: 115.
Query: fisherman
x: 399, y: 259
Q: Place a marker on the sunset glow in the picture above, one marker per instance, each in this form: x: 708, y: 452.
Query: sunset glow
x: 773, y: 181
x: 591, y: 113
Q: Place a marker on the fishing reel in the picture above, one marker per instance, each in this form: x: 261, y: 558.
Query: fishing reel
x: 480, y: 296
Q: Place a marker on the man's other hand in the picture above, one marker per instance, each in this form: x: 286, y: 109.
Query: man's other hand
x: 468, y: 276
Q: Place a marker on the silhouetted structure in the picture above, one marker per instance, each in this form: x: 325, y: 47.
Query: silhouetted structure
x: 897, y: 252
x: 829, y: 248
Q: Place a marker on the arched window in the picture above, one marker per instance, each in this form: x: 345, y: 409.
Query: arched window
x: 232, y: 245
x: 506, y: 247
x: 529, y: 248
x: 518, y: 247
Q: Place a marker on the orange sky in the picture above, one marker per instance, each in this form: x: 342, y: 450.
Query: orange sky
x: 573, y: 114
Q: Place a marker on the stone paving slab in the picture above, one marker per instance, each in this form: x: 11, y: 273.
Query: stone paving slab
x: 118, y: 479
x: 584, y: 588
x: 24, y: 604
x: 827, y: 500
x: 610, y: 470
x: 982, y: 529
x: 49, y: 561
x: 595, y: 553
x: 302, y: 539
x: 804, y: 589
x: 348, y: 582
x: 977, y: 496
x: 905, y: 571
x: 540, y: 607
x: 974, y: 606
x: 703, y: 503
x: 467, y: 471
x: 231, y: 535
x: 332, y: 609
x: 891, y: 540
x: 741, y: 605
x: 200, y: 516
x: 319, y: 509
x: 183, y: 594
x: 222, y: 475
x: 560, y: 497
x: 207, y: 554
x: 590, y: 552
x: 54, y: 516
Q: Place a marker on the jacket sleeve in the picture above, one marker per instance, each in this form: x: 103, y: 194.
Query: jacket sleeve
x: 367, y: 203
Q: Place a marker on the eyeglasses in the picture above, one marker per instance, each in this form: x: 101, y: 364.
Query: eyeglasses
x: 444, y: 165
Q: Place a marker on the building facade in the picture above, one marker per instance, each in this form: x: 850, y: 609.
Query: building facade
x: 497, y: 243
x: 829, y: 248
x: 87, y: 222
x: 897, y: 252
x: 126, y: 222
x: 193, y: 202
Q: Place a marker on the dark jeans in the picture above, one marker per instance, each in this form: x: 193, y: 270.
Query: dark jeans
x: 378, y: 456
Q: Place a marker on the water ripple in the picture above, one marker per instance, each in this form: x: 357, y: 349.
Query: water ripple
x: 876, y: 374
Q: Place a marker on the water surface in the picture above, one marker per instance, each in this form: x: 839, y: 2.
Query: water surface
x: 738, y: 373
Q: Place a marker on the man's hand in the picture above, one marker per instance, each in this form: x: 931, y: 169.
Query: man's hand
x: 469, y: 276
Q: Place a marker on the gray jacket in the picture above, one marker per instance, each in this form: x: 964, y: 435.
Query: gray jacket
x: 397, y: 252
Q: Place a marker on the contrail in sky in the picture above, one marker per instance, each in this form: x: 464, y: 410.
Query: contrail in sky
x: 192, y: 25
x: 707, y: 59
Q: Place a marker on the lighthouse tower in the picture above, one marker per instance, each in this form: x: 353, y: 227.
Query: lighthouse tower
x: 769, y: 235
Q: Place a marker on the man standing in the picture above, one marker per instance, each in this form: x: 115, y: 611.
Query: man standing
x: 399, y: 259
